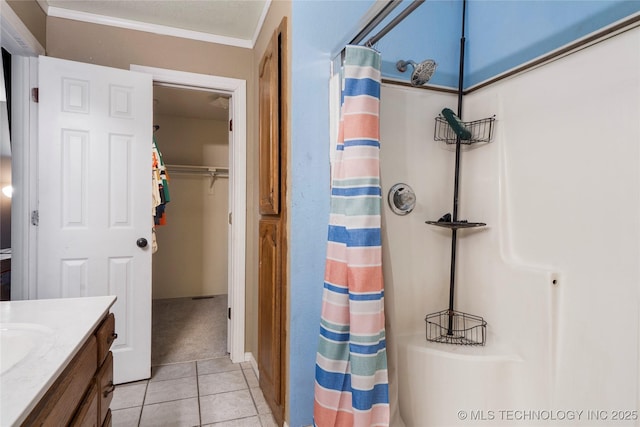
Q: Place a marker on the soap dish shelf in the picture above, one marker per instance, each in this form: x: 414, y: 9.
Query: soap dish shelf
x: 455, y: 225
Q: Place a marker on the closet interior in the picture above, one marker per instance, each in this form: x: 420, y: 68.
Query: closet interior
x: 189, y: 285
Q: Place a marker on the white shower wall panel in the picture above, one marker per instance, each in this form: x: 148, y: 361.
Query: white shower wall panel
x: 415, y: 256
x: 567, y: 145
x: 556, y: 272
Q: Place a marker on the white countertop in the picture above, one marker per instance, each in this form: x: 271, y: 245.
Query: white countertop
x: 61, y: 326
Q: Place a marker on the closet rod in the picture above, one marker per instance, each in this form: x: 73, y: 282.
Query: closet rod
x: 205, y: 170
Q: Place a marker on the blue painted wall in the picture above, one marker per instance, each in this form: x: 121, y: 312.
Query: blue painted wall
x: 504, y: 34
x: 431, y: 32
x: 501, y: 35
x: 319, y: 28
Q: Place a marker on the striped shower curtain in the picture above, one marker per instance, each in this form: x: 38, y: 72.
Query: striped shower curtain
x: 351, y: 387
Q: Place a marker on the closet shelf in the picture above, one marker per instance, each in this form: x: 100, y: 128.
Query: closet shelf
x: 454, y: 225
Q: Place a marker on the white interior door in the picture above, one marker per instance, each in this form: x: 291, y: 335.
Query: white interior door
x: 94, y: 197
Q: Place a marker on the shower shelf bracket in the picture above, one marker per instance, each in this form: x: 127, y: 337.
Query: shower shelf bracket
x: 454, y: 225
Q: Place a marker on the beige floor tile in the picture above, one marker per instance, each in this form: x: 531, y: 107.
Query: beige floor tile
x: 128, y: 395
x: 267, y: 420
x: 129, y: 417
x: 220, y: 407
x: 178, y: 413
x: 173, y: 371
x: 261, y: 404
x: 221, y: 383
x: 252, y: 380
x: 214, y: 366
x: 242, y: 422
x: 165, y: 391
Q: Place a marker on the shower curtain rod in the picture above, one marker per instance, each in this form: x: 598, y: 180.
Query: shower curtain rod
x: 377, y: 19
x: 395, y: 21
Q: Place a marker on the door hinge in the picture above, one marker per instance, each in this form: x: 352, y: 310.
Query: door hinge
x: 229, y: 313
x: 35, y: 218
x: 35, y: 94
x: 231, y: 125
x: 230, y: 218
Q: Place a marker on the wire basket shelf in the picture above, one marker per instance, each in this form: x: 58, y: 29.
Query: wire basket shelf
x: 481, y: 131
x: 455, y: 327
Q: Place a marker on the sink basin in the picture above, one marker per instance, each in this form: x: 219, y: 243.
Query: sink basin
x: 22, y: 341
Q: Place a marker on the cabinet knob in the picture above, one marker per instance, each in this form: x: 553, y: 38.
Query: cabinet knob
x: 111, y: 338
x: 109, y: 390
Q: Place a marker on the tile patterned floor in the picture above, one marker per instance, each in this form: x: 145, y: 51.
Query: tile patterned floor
x: 213, y: 392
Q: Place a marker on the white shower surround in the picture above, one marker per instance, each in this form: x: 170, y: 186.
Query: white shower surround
x: 559, y: 188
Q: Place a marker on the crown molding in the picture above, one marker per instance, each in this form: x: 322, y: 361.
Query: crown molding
x: 93, y: 18
x: 263, y: 16
x: 15, y: 36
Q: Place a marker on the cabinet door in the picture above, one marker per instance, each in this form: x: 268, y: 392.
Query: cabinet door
x: 105, y: 386
x: 87, y: 415
x: 269, y: 314
x: 269, y: 133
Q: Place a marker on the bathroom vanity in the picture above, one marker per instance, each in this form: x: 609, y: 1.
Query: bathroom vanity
x: 55, y: 364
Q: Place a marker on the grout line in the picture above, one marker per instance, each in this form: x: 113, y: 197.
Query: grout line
x: 255, y: 405
x: 146, y: 387
x: 198, y: 392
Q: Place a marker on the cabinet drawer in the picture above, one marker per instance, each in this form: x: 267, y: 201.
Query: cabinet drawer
x: 106, y: 334
x: 87, y: 415
x: 105, y: 386
x: 61, y: 400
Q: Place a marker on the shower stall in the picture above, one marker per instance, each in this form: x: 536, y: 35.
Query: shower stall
x: 555, y: 280
x: 555, y: 271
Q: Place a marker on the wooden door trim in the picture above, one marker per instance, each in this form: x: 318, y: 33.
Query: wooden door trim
x: 285, y: 81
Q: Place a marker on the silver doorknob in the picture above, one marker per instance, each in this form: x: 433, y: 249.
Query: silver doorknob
x: 141, y: 242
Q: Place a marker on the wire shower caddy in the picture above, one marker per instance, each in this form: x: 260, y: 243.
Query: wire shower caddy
x: 466, y: 329
x: 481, y: 131
x: 450, y: 326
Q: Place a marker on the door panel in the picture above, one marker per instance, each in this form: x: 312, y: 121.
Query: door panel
x: 269, y: 186
x: 269, y: 313
x: 94, y: 197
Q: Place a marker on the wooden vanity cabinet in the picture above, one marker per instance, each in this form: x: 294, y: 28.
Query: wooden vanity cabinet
x: 81, y: 395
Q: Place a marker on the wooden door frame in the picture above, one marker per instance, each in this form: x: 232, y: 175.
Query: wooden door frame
x: 237, y: 88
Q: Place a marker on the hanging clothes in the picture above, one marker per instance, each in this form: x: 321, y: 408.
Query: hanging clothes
x: 351, y: 387
x: 159, y: 192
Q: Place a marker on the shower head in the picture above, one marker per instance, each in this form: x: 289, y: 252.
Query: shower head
x: 422, y: 72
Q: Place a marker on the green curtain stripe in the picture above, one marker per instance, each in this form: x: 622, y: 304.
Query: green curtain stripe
x: 333, y: 326
x: 332, y: 350
x: 339, y: 206
x: 362, y: 57
x: 366, y: 365
x: 367, y: 339
x: 356, y: 182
